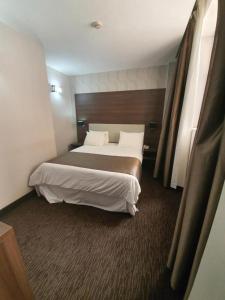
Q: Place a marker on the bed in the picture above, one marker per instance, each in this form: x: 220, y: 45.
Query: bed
x: 106, y: 177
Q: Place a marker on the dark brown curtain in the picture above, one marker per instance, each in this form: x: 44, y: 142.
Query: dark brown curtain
x: 206, y: 172
x: 174, y: 103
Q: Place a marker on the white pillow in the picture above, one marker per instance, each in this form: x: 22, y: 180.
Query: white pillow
x: 132, y: 139
x: 94, y: 138
x: 106, y: 134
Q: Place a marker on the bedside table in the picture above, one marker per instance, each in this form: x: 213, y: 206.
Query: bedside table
x: 74, y: 146
x: 149, y: 154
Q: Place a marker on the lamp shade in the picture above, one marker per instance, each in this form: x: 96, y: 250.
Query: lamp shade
x: 56, y: 89
x: 81, y: 123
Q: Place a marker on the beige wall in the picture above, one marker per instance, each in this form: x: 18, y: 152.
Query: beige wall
x: 26, y: 127
x: 135, y: 79
x: 63, y: 109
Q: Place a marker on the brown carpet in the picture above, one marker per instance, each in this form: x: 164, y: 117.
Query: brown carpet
x: 78, y: 252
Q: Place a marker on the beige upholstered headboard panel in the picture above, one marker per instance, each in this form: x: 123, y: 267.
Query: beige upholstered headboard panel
x: 114, y: 129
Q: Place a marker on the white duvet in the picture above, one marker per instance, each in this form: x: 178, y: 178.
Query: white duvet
x: 122, y: 187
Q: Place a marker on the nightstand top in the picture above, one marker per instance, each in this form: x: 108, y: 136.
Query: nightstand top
x: 74, y: 146
x: 77, y: 144
x: 150, y: 150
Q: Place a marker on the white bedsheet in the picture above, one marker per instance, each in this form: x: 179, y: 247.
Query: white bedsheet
x: 123, y: 187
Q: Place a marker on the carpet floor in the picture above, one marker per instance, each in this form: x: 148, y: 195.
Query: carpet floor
x: 80, y: 252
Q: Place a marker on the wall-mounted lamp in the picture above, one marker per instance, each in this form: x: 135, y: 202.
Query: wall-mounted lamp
x: 55, y: 89
x: 81, y: 123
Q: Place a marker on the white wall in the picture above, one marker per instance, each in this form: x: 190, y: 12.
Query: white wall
x: 136, y: 79
x: 26, y: 127
x: 63, y: 108
x: 209, y: 283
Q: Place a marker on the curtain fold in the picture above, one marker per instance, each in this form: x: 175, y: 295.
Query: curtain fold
x: 206, y: 172
x: 170, y: 124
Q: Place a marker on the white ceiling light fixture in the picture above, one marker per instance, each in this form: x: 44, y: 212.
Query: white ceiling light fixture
x: 97, y: 24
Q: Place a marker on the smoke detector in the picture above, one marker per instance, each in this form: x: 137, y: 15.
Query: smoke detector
x: 97, y: 24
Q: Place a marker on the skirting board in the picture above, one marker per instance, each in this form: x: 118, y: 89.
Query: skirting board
x: 16, y: 203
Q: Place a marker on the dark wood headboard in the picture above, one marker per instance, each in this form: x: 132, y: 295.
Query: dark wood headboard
x: 124, y: 107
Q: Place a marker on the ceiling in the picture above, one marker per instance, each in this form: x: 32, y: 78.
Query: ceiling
x: 136, y: 33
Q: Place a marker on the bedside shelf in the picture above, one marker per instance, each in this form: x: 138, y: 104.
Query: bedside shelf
x: 74, y: 146
x: 149, y: 154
